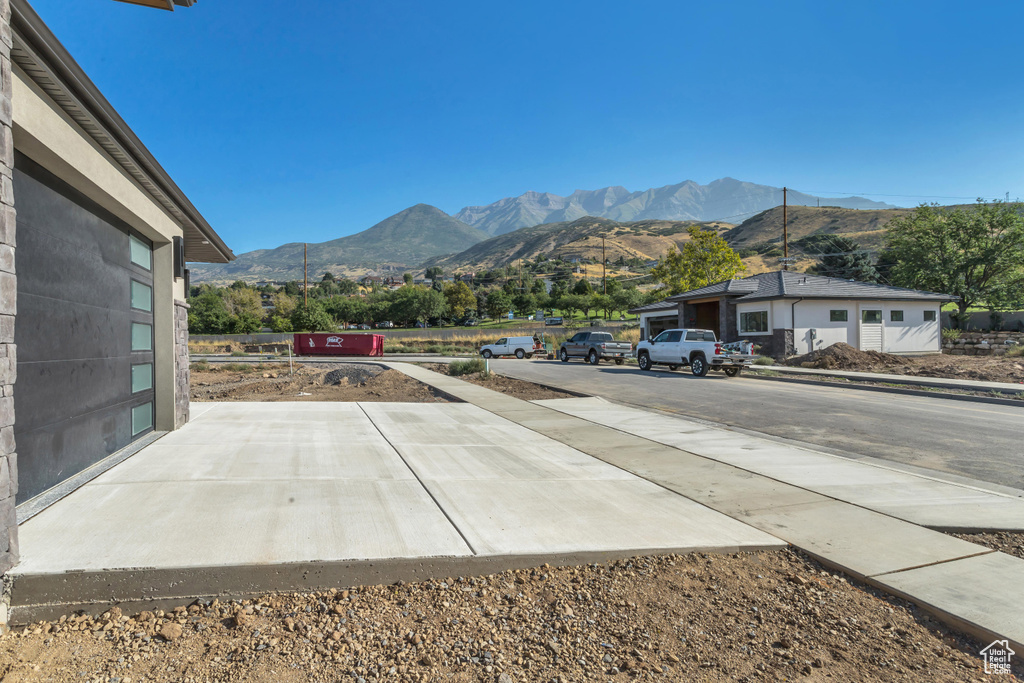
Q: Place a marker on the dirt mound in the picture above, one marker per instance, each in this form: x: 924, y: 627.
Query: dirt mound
x: 841, y: 356
x: 352, y: 373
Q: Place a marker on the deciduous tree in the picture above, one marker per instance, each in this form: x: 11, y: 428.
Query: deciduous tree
x: 976, y: 254
x: 704, y: 260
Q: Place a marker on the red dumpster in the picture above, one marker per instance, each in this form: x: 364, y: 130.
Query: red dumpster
x: 330, y: 344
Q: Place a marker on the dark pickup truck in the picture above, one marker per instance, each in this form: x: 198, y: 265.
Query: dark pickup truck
x: 594, y: 346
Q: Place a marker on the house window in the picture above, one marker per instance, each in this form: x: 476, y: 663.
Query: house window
x: 896, y: 316
x: 929, y: 316
x: 838, y: 316
x: 754, y: 321
x: 871, y: 317
x: 141, y: 253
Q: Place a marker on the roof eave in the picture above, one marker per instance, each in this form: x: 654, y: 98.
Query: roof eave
x: 37, y: 49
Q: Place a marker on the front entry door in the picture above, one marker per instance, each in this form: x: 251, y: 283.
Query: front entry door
x: 871, y: 329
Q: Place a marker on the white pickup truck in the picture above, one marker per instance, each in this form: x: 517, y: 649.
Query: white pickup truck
x: 697, y: 348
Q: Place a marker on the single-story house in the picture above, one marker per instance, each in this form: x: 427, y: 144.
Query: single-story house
x: 787, y: 313
x: 93, y: 319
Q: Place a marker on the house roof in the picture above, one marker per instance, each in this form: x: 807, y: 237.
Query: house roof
x: 38, y: 52
x: 787, y: 284
x: 656, y: 306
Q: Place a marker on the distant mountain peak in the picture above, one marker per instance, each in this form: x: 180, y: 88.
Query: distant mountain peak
x: 723, y: 199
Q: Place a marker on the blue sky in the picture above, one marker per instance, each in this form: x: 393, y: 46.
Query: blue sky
x: 308, y: 121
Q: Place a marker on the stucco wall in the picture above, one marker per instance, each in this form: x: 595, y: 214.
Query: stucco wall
x: 912, y: 335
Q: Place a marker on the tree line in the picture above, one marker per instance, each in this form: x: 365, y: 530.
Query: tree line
x: 243, y: 309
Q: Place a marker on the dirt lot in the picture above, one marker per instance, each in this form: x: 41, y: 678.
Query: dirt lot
x: 337, y: 382
x: 768, y: 616
x: 330, y: 382
x: 527, y: 391
x: 842, y: 356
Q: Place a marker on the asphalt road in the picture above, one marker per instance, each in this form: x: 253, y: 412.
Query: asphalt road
x: 974, y: 440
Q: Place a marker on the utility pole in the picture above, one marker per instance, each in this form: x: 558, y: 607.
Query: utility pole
x: 305, y: 277
x: 785, y: 232
x: 604, y: 268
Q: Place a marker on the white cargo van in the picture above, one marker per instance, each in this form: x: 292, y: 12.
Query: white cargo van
x: 520, y: 347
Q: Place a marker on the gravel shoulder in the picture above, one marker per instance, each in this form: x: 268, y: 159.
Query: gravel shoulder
x: 527, y: 391
x: 1003, y: 541
x: 842, y: 356
x: 762, y: 616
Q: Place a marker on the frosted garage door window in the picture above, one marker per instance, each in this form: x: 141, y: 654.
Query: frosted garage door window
x: 142, y: 418
x: 141, y: 253
x: 142, y: 296
x: 142, y: 377
x: 142, y: 337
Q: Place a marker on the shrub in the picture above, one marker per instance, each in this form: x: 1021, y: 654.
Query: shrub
x: 1015, y: 351
x: 238, y: 354
x: 949, y: 334
x: 238, y: 367
x: 763, y: 360
x: 201, y: 366
x: 465, y: 367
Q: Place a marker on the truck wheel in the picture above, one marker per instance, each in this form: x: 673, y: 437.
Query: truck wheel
x: 487, y: 353
x: 644, y: 361
x: 698, y: 366
x: 619, y: 361
x: 732, y: 372
x: 563, y: 356
x: 520, y: 354
x: 673, y: 367
x: 593, y: 357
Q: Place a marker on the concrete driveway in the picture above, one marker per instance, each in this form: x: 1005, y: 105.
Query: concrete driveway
x: 247, y: 494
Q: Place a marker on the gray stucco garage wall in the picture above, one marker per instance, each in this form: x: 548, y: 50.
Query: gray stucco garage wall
x: 74, y: 402
x: 8, y: 310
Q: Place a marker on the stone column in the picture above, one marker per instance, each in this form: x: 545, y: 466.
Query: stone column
x: 181, y: 368
x: 8, y: 311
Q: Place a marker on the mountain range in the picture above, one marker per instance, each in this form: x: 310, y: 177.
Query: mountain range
x: 644, y: 225
x: 726, y: 199
x: 406, y: 239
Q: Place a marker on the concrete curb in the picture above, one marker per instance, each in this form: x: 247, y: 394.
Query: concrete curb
x: 858, y: 385
x: 912, y: 380
x: 39, y: 597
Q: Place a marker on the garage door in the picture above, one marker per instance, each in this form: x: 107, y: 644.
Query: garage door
x: 84, y: 332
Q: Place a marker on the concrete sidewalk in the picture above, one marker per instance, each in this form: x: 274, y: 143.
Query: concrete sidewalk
x: 257, y: 497
x: 976, y: 589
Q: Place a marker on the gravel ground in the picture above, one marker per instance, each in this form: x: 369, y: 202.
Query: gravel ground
x: 767, y: 616
x: 1003, y: 541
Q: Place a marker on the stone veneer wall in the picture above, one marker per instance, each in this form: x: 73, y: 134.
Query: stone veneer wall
x: 181, y: 368
x: 778, y: 345
x: 8, y: 311
x: 982, y: 343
